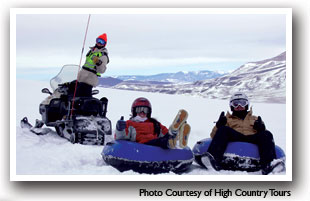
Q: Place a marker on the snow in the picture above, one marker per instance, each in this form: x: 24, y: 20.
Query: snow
x: 53, y: 155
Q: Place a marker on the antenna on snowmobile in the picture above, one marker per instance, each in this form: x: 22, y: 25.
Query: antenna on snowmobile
x: 71, y: 112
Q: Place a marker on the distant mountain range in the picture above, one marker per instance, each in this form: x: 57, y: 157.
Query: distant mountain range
x: 162, y: 78
x: 262, y: 81
x: 182, y: 76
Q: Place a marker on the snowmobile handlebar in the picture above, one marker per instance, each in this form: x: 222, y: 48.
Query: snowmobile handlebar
x: 46, y: 91
x: 94, y: 92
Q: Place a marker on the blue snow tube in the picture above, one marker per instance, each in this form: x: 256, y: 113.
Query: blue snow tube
x: 126, y: 155
x: 241, y: 156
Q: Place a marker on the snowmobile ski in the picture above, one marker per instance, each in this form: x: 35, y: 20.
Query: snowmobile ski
x: 24, y: 123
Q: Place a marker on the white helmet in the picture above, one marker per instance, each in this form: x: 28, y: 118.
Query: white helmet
x: 239, y: 96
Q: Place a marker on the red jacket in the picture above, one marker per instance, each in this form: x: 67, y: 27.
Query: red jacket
x: 141, y: 132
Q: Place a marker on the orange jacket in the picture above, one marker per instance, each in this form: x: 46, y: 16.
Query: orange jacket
x: 141, y: 132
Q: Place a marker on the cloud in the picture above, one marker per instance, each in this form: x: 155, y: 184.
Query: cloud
x: 148, y: 41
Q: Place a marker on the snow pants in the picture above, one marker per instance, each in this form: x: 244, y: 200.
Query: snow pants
x: 224, y: 135
x: 162, y: 142
x: 82, y: 89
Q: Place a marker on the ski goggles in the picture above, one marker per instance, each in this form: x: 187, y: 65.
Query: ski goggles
x: 142, y: 109
x: 237, y: 102
x: 100, y: 41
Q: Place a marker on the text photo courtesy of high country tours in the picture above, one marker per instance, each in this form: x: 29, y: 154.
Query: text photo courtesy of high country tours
x: 151, y: 94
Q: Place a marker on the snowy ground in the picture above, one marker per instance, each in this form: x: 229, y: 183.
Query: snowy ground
x: 52, y: 155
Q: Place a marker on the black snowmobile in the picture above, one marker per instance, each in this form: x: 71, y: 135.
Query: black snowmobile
x: 85, y: 123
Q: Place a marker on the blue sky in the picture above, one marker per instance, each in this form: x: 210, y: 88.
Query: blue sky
x: 140, y: 43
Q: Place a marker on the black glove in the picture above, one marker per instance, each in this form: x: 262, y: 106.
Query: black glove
x: 99, y: 62
x: 259, y: 125
x: 121, y: 124
x: 222, y: 120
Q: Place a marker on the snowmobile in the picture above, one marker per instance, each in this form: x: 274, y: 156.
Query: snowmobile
x: 84, y: 123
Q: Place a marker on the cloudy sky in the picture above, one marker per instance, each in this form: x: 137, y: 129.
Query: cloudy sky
x: 141, y: 43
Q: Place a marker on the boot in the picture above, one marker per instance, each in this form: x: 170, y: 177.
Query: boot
x: 210, y: 163
x: 179, y: 120
x: 172, y: 143
x: 275, y: 166
x: 184, y: 134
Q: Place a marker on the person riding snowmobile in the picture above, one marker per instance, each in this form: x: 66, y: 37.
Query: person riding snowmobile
x: 95, y: 65
x: 142, y: 128
x: 88, y: 124
x: 242, y: 126
x: 57, y: 109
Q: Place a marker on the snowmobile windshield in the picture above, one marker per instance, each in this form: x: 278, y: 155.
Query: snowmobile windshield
x: 68, y: 73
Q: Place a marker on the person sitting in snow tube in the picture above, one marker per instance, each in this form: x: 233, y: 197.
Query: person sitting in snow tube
x: 241, y: 126
x: 144, y: 145
x: 142, y: 128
